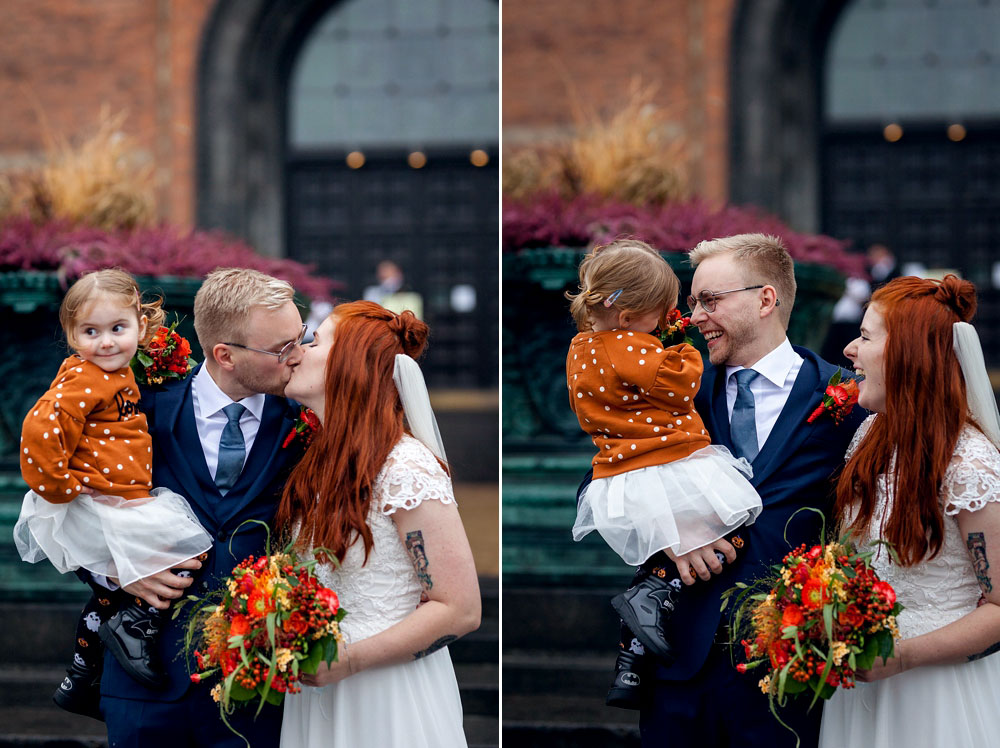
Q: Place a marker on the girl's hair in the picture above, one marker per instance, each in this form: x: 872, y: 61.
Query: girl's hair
x: 116, y: 283
x: 329, y: 491
x: 925, y: 411
x: 634, y: 268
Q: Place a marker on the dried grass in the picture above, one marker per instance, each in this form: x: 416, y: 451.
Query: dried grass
x: 103, y: 181
x: 635, y: 156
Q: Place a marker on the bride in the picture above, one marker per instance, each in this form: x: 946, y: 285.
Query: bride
x: 923, y: 473
x: 382, y: 501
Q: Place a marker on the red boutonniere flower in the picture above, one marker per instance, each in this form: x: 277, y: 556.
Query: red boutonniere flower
x: 676, y: 330
x: 166, y: 356
x: 305, y: 428
x: 838, y: 400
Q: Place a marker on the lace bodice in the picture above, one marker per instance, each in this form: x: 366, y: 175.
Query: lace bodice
x: 938, y: 591
x: 386, y: 589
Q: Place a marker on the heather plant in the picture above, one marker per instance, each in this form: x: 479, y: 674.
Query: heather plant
x: 549, y: 220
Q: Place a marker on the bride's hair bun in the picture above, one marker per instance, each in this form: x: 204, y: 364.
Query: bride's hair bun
x: 411, y: 331
x: 959, y: 295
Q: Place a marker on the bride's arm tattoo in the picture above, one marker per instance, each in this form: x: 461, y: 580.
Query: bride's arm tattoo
x: 415, y: 545
x: 441, y: 643
x: 977, y: 547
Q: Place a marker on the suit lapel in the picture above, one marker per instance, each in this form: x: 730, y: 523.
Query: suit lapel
x: 791, y: 429
x: 178, y: 442
x: 716, y: 414
x: 266, y: 456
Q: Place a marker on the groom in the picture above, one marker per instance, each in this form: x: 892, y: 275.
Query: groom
x: 217, y: 440
x: 755, y: 399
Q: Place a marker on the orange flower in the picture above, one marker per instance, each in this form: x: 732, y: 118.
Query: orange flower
x: 296, y: 624
x: 329, y: 597
x: 259, y: 604
x: 814, y: 594
x: 240, y: 625
x: 851, y: 617
x: 792, y: 616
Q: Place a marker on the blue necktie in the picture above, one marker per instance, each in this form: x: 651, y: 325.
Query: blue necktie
x: 743, y: 424
x: 232, y: 449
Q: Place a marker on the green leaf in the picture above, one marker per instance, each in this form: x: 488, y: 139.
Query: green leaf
x: 886, y: 645
x: 310, y: 663
x: 793, y: 686
x: 240, y: 693
x: 144, y: 358
x: 329, y: 649
x: 835, y: 379
x: 828, y: 620
x: 866, y: 658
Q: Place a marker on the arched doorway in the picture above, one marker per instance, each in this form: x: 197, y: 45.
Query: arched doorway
x: 288, y: 88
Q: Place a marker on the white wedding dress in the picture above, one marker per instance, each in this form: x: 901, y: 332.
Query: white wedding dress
x: 940, y: 705
x: 415, y: 703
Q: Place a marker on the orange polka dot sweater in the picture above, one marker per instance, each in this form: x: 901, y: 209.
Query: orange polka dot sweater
x: 635, y: 398
x: 87, y: 431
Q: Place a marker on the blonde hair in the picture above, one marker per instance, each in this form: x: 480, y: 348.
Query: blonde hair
x: 224, y: 301
x: 644, y: 279
x: 113, y: 282
x: 762, y: 259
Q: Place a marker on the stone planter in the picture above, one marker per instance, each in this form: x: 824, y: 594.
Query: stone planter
x: 545, y: 454
x: 34, y: 346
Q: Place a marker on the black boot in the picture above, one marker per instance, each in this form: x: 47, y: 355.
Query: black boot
x: 646, y: 608
x: 80, y: 691
x: 131, y: 636
x: 630, y: 667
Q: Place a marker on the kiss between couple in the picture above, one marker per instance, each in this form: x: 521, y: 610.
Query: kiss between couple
x: 689, y: 456
x: 372, y: 486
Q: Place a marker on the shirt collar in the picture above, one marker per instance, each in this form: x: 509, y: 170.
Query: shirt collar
x: 210, y: 399
x: 774, y: 367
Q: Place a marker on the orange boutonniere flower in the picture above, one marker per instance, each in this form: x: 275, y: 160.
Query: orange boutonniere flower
x: 839, y: 399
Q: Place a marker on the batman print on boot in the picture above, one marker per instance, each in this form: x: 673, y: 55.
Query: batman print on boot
x: 630, y: 667
x: 80, y: 690
x: 131, y: 637
x: 646, y: 608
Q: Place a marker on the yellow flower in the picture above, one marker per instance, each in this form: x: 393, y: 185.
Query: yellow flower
x: 283, y: 656
x: 216, y: 692
x: 765, y: 683
x: 839, y: 651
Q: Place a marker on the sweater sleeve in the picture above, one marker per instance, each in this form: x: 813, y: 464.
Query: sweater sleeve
x: 49, y: 438
x: 667, y: 377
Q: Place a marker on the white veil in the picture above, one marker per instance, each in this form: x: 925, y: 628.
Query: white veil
x: 409, y: 381
x: 979, y: 391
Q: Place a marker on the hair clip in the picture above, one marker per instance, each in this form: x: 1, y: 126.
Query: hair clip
x: 613, y: 298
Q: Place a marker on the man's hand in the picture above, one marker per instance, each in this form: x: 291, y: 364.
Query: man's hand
x: 163, y: 587
x: 702, y: 563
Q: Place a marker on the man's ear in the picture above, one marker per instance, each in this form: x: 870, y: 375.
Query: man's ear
x: 769, y: 301
x: 223, y: 356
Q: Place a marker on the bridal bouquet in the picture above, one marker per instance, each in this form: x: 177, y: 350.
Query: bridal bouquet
x: 825, y: 615
x: 271, y: 622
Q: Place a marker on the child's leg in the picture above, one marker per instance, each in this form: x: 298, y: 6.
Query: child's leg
x: 79, y: 691
x: 131, y: 635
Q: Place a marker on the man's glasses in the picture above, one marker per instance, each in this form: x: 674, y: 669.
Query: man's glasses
x: 709, y: 299
x: 283, y: 354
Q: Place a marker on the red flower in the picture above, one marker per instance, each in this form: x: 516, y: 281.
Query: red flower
x: 741, y: 667
x: 240, y: 625
x: 792, y: 616
x: 329, y: 597
x: 814, y: 594
x: 851, y: 616
x: 297, y: 624
x: 885, y: 590
x: 196, y: 678
x: 839, y: 394
x: 815, y: 552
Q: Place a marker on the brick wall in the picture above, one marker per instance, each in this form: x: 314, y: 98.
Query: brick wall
x: 561, y: 51
x: 61, y: 60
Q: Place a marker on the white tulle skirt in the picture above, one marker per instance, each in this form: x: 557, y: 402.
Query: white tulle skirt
x: 681, y: 505
x: 941, y: 705
x: 109, y: 535
x: 414, y: 704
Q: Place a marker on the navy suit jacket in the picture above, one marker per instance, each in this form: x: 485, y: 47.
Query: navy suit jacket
x: 179, y: 464
x: 793, y: 470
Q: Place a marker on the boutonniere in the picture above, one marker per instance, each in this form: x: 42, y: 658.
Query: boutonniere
x: 675, y: 332
x: 304, y: 428
x: 166, y: 356
x: 840, y: 397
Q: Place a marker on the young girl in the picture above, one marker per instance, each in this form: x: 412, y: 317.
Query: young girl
x: 86, y: 456
x: 658, y: 483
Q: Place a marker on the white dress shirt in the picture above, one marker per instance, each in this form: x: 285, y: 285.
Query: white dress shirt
x: 778, y: 370
x: 208, y: 401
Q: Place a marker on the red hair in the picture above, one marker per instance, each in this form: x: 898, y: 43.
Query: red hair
x: 925, y: 411
x: 329, y: 491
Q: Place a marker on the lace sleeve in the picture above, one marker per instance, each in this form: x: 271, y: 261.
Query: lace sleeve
x: 859, y: 435
x: 411, y: 476
x: 973, y: 477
